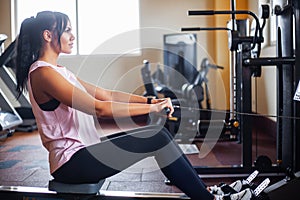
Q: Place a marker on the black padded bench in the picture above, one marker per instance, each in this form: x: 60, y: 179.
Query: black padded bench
x: 83, y: 188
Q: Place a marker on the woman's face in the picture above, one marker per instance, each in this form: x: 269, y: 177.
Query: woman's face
x: 67, y: 40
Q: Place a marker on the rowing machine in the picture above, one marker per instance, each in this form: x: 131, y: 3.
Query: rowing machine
x: 38, y: 193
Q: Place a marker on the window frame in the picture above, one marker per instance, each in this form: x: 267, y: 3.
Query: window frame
x: 15, y: 30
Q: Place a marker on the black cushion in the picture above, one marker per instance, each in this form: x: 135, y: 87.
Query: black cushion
x: 84, y: 188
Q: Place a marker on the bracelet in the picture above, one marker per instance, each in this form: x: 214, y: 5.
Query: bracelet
x: 149, y: 99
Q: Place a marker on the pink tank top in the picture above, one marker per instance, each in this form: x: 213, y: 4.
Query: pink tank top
x: 65, y: 130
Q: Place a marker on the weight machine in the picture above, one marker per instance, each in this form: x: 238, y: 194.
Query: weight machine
x: 248, y: 63
x: 189, y: 91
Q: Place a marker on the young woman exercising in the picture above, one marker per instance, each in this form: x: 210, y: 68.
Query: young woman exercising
x: 64, y: 107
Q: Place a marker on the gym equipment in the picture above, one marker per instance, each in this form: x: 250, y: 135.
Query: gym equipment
x: 147, y: 79
x: 24, y: 110
x: 236, y: 186
x: 86, y: 188
x: 9, y: 118
x: 245, y: 48
x: 21, y: 193
x: 245, y: 54
x: 287, y: 188
x: 263, y: 163
x: 196, y: 122
x: 63, y: 191
x: 180, y: 60
x: 288, y: 75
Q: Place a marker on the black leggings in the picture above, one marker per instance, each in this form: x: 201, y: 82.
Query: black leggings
x: 109, y: 157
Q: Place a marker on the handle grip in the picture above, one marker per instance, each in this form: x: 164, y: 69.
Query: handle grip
x: 166, y: 111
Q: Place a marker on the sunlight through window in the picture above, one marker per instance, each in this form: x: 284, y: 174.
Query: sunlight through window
x: 100, y: 27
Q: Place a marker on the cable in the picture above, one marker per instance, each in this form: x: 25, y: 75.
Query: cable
x: 237, y: 113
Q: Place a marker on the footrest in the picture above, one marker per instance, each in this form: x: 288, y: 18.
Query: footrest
x: 86, y: 188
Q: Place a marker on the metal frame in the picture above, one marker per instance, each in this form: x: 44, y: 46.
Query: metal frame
x: 288, y: 144
x: 21, y: 193
x: 7, y: 76
x: 296, y: 157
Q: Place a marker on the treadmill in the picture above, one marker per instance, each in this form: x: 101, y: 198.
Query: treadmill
x: 20, y: 118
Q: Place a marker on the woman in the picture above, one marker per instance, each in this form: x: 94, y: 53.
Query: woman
x: 64, y: 107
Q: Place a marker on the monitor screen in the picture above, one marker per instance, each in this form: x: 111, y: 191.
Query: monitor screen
x: 180, y: 59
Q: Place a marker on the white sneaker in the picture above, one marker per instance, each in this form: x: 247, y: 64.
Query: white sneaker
x: 234, y: 187
x: 215, y: 190
x: 237, y: 185
x: 226, y: 189
x: 242, y: 195
x: 246, y: 194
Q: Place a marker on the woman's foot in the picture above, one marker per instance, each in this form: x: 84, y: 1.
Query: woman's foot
x: 242, y: 195
x: 245, y: 194
x: 234, y: 187
x: 226, y: 189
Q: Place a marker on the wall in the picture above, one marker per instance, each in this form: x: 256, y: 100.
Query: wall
x: 5, y: 23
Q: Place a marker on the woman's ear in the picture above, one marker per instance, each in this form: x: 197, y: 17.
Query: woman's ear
x: 47, y: 35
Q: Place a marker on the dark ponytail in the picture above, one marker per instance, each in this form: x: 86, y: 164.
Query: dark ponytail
x: 30, y: 42
x: 26, y: 53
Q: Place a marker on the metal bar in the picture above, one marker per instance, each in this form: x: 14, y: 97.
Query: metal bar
x: 20, y: 192
x: 234, y: 171
x: 285, y: 24
x: 233, y: 19
x: 269, y: 61
x: 222, y: 12
x: 205, y: 29
x: 246, y: 107
x: 279, y: 99
x: 9, y: 80
x: 297, y: 78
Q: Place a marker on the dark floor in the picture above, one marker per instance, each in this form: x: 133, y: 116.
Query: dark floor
x: 23, y: 162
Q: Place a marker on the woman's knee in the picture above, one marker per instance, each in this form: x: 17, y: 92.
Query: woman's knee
x: 164, y: 135
x: 168, y: 133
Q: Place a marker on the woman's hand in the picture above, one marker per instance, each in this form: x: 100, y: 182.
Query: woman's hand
x: 160, y: 104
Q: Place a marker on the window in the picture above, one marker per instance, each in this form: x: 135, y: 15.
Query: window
x: 95, y: 22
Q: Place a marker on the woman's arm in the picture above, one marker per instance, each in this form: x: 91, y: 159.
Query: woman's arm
x: 110, y: 95
x: 117, y: 96
x: 47, y: 82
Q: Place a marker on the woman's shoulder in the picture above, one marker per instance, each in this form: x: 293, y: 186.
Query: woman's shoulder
x: 42, y: 64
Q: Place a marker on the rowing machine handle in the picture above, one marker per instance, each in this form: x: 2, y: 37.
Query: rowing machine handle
x: 158, y: 118
x: 166, y: 111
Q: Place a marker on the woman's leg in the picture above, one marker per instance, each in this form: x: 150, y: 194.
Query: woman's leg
x: 112, y: 156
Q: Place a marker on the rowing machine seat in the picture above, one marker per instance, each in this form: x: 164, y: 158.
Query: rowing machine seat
x: 83, y: 188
